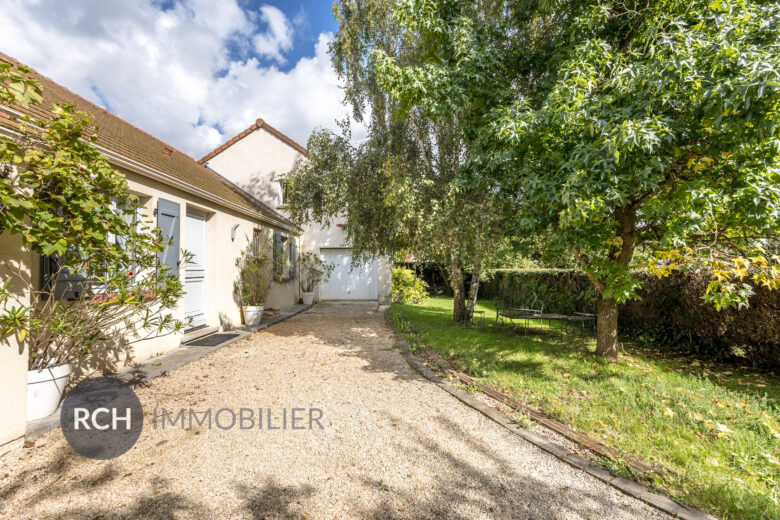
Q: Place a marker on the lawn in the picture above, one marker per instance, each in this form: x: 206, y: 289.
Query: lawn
x: 716, y: 429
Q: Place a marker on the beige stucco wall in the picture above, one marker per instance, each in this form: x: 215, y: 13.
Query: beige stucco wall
x: 221, y: 270
x: 256, y: 163
x: 13, y: 356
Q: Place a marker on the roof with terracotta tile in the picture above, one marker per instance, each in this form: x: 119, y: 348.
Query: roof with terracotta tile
x: 257, y: 125
x: 127, y: 140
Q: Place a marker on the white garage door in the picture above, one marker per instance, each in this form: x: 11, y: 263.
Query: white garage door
x: 347, y: 283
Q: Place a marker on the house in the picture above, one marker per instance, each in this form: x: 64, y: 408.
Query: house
x: 256, y: 160
x: 202, y: 213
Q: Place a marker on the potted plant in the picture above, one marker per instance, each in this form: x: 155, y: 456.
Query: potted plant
x: 314, y: 271
x: 254, y: 282
x: 74, y: 334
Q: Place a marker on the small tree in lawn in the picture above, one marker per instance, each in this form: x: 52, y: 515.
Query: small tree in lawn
x: 314, y: 271
x: 607, y: 127
x: 66, y: 202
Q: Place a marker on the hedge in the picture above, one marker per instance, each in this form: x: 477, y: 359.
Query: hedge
x: 668, y: 313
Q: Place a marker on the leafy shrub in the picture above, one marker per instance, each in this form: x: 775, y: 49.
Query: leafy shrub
x: 314, y: 271
x: 255, y: 274
x: 407, y: 288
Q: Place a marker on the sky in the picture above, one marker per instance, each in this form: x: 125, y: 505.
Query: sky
x: 192, y: 72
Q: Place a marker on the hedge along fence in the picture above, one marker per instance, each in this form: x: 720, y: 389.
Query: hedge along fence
x: 668, y: 313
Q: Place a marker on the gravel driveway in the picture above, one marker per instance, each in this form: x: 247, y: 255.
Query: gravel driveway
x: 393, y: 444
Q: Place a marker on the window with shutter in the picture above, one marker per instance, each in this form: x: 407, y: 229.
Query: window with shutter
x: 65, y: 283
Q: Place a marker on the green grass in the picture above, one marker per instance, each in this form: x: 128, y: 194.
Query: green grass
x: 715, y: 428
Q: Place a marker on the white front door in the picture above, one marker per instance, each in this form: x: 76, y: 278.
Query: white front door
x: 346, y: 283
x: 195, y: 272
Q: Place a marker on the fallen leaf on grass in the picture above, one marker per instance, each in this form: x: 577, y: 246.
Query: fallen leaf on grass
x: 668, y: 412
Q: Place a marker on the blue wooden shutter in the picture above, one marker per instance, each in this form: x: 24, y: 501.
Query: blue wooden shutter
x: 168, y: 221
x: 278, y: 254
x: 292, y: 258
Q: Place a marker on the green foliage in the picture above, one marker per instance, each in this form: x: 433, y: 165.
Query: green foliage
x: 255, y: 274
x: 670, y: 312
x: 63, y: 198
x: 715, y: 428
x: 562, y: 291
x: 407, y: 288
x: 56, y: 192
x: 396, y: 188
x: 314, y: 271
x: 18, y: 86
x: 606, y: 126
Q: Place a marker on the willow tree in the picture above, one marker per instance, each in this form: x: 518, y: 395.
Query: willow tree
x: 396, y: 189
x: 614, y: 126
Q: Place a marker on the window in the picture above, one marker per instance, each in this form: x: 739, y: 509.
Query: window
x: 283, y: 191
x: 278, y: 251
x: 64, y: 283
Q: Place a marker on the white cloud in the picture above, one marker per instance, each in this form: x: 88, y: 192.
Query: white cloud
x: 164, y: 71
x: 278, y: 36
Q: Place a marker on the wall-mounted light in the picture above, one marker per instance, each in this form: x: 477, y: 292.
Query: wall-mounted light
x: 233, y: 233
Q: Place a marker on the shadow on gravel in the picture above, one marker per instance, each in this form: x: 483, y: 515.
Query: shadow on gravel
x: 355, y: 330
x: 275, y: 500
x: 461, y: 487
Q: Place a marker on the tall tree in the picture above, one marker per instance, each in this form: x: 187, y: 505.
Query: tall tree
x: 611, y: 126
x: 397, y: 188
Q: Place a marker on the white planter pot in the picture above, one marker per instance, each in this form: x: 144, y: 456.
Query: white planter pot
x: 44, y: 390
x: 253, y: 314
x: 308, y: 297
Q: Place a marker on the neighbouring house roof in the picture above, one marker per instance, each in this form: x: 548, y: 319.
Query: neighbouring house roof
x: 260, y: 123
x: 125, y: 139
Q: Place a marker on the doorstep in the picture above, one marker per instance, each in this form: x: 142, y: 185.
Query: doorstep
x: 141, y: 373
x: 192, y: 335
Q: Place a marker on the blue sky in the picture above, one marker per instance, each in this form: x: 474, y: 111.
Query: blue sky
x: 192, y: 72
x: 310, y: 18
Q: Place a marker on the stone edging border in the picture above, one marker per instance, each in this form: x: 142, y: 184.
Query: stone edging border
x: 629, y: 487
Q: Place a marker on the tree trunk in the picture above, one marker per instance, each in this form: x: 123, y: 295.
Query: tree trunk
x: 607, y: 313
x: 458, y: 291
x: 473, y: 289
x: 606, y: 329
